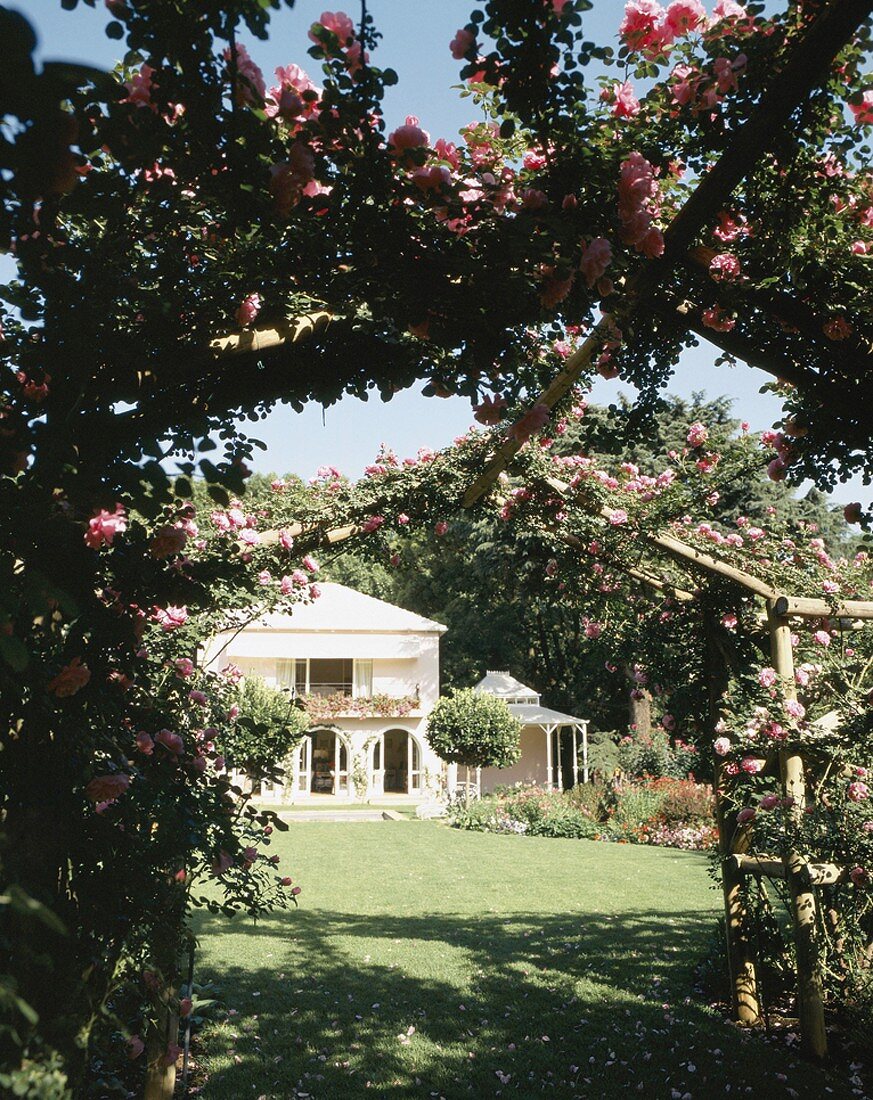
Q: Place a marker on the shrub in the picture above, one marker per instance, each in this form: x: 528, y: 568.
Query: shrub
x: 603, y: 753
x: 655, y: 756
x: 267, y: 728
x: 633, y: 807
x: 472, y: 728
x: 685, y: 801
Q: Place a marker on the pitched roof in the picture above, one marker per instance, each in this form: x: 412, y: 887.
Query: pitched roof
x: 530, y: 714
x: 501, y: 684
x: 345, y: 610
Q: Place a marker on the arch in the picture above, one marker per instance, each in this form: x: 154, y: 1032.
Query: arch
x: 402, y: 761
x: 323, y: 762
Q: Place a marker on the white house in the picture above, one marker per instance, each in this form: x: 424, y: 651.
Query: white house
x: 550, y: 740
x: 369, y: 673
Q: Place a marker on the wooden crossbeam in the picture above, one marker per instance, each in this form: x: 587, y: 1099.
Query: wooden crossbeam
x: 802, y: 608
x: 819, y: 874
x: 266, y: 337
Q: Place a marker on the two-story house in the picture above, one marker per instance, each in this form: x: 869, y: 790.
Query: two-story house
x: 368, y: 674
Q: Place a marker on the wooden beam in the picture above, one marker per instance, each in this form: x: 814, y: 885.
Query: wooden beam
x: 560, y: 386
x: 683, y: 552
x: 819, y: 874
x: 802, y: 608
x: 266, y: 337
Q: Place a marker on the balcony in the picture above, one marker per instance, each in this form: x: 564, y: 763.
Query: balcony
x: 321, y: 705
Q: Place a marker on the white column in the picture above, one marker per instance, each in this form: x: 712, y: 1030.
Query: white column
x: 559, y: 763
x: 548, y: 758
x: 575, y: 757
x: 585, y: 752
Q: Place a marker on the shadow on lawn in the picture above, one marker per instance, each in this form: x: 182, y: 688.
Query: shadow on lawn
x: 565, y: 1005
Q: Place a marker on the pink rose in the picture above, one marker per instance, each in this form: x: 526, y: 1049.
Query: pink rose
x: 372, y: 524
x: 144, y: 743
x: 72, y: 678
x: 461, y: 44
x: 184, y: 666
x: 685, y: 16
x: 441, y: 527
x: 857, y: 792
x: 769, y: 801
x: 626, y: 103
x: 643, y: 27
x: 596, y: 258
x: 106, y: 788
x: 697, y: 434
x: 618, y: 517
x: 745, y: 815
x: 729, y: 9
x: 859, y: 876
x: 171, y: 741
x: 167, y: 541
x: 222, y: 862
x: 409, y: 136
x: 716, y: 319
x: 250, y: 86
x: 171, y: 617
x: 286, y: 540
x: 310, y: 564
x: 863, y: 111
x: 248, y: 309
x: 751, y: 765
x: 722, y: 746
x: 337, y: 23
x: 104, y: 526
x: 490, y: 409
x: 725, y: 268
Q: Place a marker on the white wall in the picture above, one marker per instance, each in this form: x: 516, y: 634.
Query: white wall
x: 531, y: 767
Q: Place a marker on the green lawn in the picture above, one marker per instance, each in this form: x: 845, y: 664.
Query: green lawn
x: 429, y: 962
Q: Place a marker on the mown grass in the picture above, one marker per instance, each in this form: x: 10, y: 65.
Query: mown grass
x: 425, y: 962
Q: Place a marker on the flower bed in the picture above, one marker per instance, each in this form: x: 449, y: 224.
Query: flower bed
x: 674, y: 813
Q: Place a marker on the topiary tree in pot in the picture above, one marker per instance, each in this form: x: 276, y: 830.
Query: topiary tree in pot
x: 474, y: 729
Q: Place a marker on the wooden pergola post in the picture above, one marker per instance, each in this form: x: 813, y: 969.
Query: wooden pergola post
x: 742, y: 962
x: 800, y: 888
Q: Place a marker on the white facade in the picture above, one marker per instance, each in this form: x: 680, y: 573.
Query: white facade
x: 375, y: 667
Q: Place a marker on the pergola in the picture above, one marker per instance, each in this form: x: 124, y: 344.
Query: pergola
x: 807, y: 66
x: 524, y: 704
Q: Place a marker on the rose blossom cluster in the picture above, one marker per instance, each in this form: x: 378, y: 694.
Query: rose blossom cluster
x: 638, y: 205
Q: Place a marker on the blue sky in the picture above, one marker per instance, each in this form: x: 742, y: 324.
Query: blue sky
x: 416, y: 36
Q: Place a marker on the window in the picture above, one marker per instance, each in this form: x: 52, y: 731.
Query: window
x: 327, y: 676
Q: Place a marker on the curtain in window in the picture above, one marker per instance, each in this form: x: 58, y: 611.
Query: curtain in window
x: 363, y: 687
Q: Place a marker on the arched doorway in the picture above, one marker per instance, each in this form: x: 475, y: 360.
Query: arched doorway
x: 396, y: 766
x: 321, y: 763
